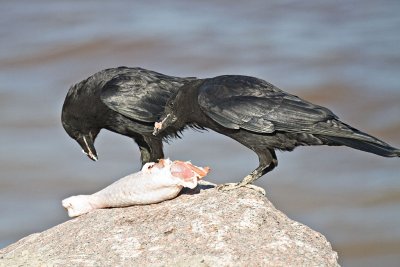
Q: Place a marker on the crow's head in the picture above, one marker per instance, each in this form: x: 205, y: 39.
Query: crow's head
x: 173, y: 116
x: 179, y: 109
x: 85, y: 136
x: 80, y: 121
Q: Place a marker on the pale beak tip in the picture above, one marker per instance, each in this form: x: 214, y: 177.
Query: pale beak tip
x: 91, y: 156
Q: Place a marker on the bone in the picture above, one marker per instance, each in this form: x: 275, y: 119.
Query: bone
x: 155, y: 183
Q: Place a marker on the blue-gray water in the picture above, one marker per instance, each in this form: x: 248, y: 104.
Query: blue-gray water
x: 341, y: 54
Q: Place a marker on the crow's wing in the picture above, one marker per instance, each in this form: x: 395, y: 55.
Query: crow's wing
x: 255, y: 105
x: 140, y: 95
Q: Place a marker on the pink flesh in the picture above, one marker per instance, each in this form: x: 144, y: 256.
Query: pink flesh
x: 200, y: 171
x: 158, y: 125
x: 187, y: 171
x: 182, y: 170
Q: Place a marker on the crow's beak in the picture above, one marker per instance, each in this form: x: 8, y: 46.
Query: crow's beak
x: 161, y: 126
x: 87, y: 144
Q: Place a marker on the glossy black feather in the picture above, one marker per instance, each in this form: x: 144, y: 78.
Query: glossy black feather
x: 140, y: 96
x: 263, y: 118
x: 242, y: 102
x: 255, y: 105
x: 124, y: 100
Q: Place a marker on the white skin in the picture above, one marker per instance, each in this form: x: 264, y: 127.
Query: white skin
x: 156, y: 182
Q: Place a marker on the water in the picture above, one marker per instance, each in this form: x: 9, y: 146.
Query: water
x: 342, y: 54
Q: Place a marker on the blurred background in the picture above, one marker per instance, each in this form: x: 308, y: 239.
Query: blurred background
x: 341, y: 54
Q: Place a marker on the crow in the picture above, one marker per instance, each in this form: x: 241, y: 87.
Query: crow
x: 123, y: 100
x: 263, y: 118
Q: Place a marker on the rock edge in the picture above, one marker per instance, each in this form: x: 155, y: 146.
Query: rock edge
x: 198, y: 228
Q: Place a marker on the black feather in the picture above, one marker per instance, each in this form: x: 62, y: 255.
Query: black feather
x: 124, y: 100
x: 264, y: 118
x: 371, y: 147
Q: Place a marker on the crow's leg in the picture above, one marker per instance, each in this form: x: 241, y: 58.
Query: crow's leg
x: 151, y: 149
x: 268, y: 162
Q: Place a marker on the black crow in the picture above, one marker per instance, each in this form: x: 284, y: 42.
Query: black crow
x: 263, y: 118
x: 124, y: 100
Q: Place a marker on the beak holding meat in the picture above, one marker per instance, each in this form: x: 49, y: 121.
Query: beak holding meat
x: 164, y: 123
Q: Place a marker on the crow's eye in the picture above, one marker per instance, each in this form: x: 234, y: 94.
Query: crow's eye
x: 171, y: 104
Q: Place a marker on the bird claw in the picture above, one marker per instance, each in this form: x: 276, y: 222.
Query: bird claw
x: 232, y: 186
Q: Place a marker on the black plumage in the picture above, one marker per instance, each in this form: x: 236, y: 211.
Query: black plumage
x: 263, y: 118
x: 124, y: 100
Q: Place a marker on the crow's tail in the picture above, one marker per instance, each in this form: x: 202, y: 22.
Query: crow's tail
x: 335, y: 132
x: 380, y: 148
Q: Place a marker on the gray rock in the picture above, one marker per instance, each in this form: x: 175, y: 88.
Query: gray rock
x: 198, y: 228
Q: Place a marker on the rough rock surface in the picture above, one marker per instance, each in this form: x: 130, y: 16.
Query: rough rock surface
x: 198, y: 228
